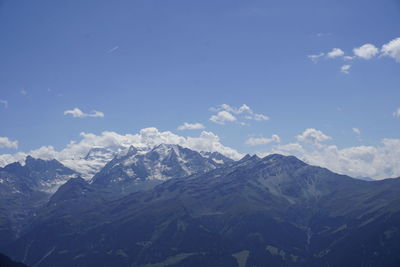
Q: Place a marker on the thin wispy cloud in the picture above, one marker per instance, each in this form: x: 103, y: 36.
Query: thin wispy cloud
x: 257, y: 141
x: 24, y: 92
x: 356, y: 131
x: 345, y: 69
x: 4, y: 103
x: 396, y: 113
x: 316, y: 58
x: 115, y: 48
x: 77, y: 113
x: 191, y: 126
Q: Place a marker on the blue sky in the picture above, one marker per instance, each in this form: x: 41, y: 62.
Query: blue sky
x: 162, y: 63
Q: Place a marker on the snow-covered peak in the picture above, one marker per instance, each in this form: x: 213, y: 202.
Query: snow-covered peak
x: 162, y: 162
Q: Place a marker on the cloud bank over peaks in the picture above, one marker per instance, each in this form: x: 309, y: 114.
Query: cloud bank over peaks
x: 77, y: 113
x: 379, y: 162
x: 73, y: 155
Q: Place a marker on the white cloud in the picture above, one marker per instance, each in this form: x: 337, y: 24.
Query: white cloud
x: 225, y: 112
x: 4, y: 102
x: 392, y: 49
x: 377, y: 162
x: 112, y: 50
x: 348, y: 58
x: 5, y: 142
x: 396, y: 113
x: 77, y: 113
x: 74, y: 153
x: 356, y: 131
x: 316, y: 58
x: 366, y: 51
x: 336, y: 52
x: 23, y: 92
x: 312, y: 136
x: 254, y: 141
x: 257, y: 117
x: 190, y: 126
x: 222, y: 117
x: 345, y: 69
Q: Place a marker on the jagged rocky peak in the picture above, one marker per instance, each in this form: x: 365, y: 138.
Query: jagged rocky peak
x: 42, y: 175
x: 217, y: 157
x: 162, y: 162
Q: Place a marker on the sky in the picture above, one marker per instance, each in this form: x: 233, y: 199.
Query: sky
x: 317, y: 79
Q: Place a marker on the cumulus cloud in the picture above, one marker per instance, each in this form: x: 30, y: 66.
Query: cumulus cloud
x: 4, y: 103
x: 392, y: 49
x: 379, y: 162
x: 73, y: 155
x: 254, y: 141
x: 312, y: 136
x: 345, y: 69
x: 316, y: 58
x: 336, y: 52
x: 396, y: 113
x: 222, y: 116
x: 190, y: 126
x: 77, y: 113
x: 5, y: 142
x: 225, y: 114
x: 366, y: 51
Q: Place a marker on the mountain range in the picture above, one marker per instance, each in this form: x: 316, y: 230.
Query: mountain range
x: 171, y: 206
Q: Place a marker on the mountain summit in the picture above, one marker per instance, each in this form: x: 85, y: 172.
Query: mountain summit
x: 133, y: 169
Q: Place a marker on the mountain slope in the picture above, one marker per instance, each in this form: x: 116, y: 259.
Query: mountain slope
x: 277, y: 211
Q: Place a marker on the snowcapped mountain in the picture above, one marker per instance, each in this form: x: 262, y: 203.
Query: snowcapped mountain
x: 95, y: 159
x: 275, y: 210
x: 23, y: 188
x: 161, y: 163
x: 40, y: 175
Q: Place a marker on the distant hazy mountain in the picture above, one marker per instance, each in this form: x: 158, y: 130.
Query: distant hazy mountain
x: 275, y: 211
